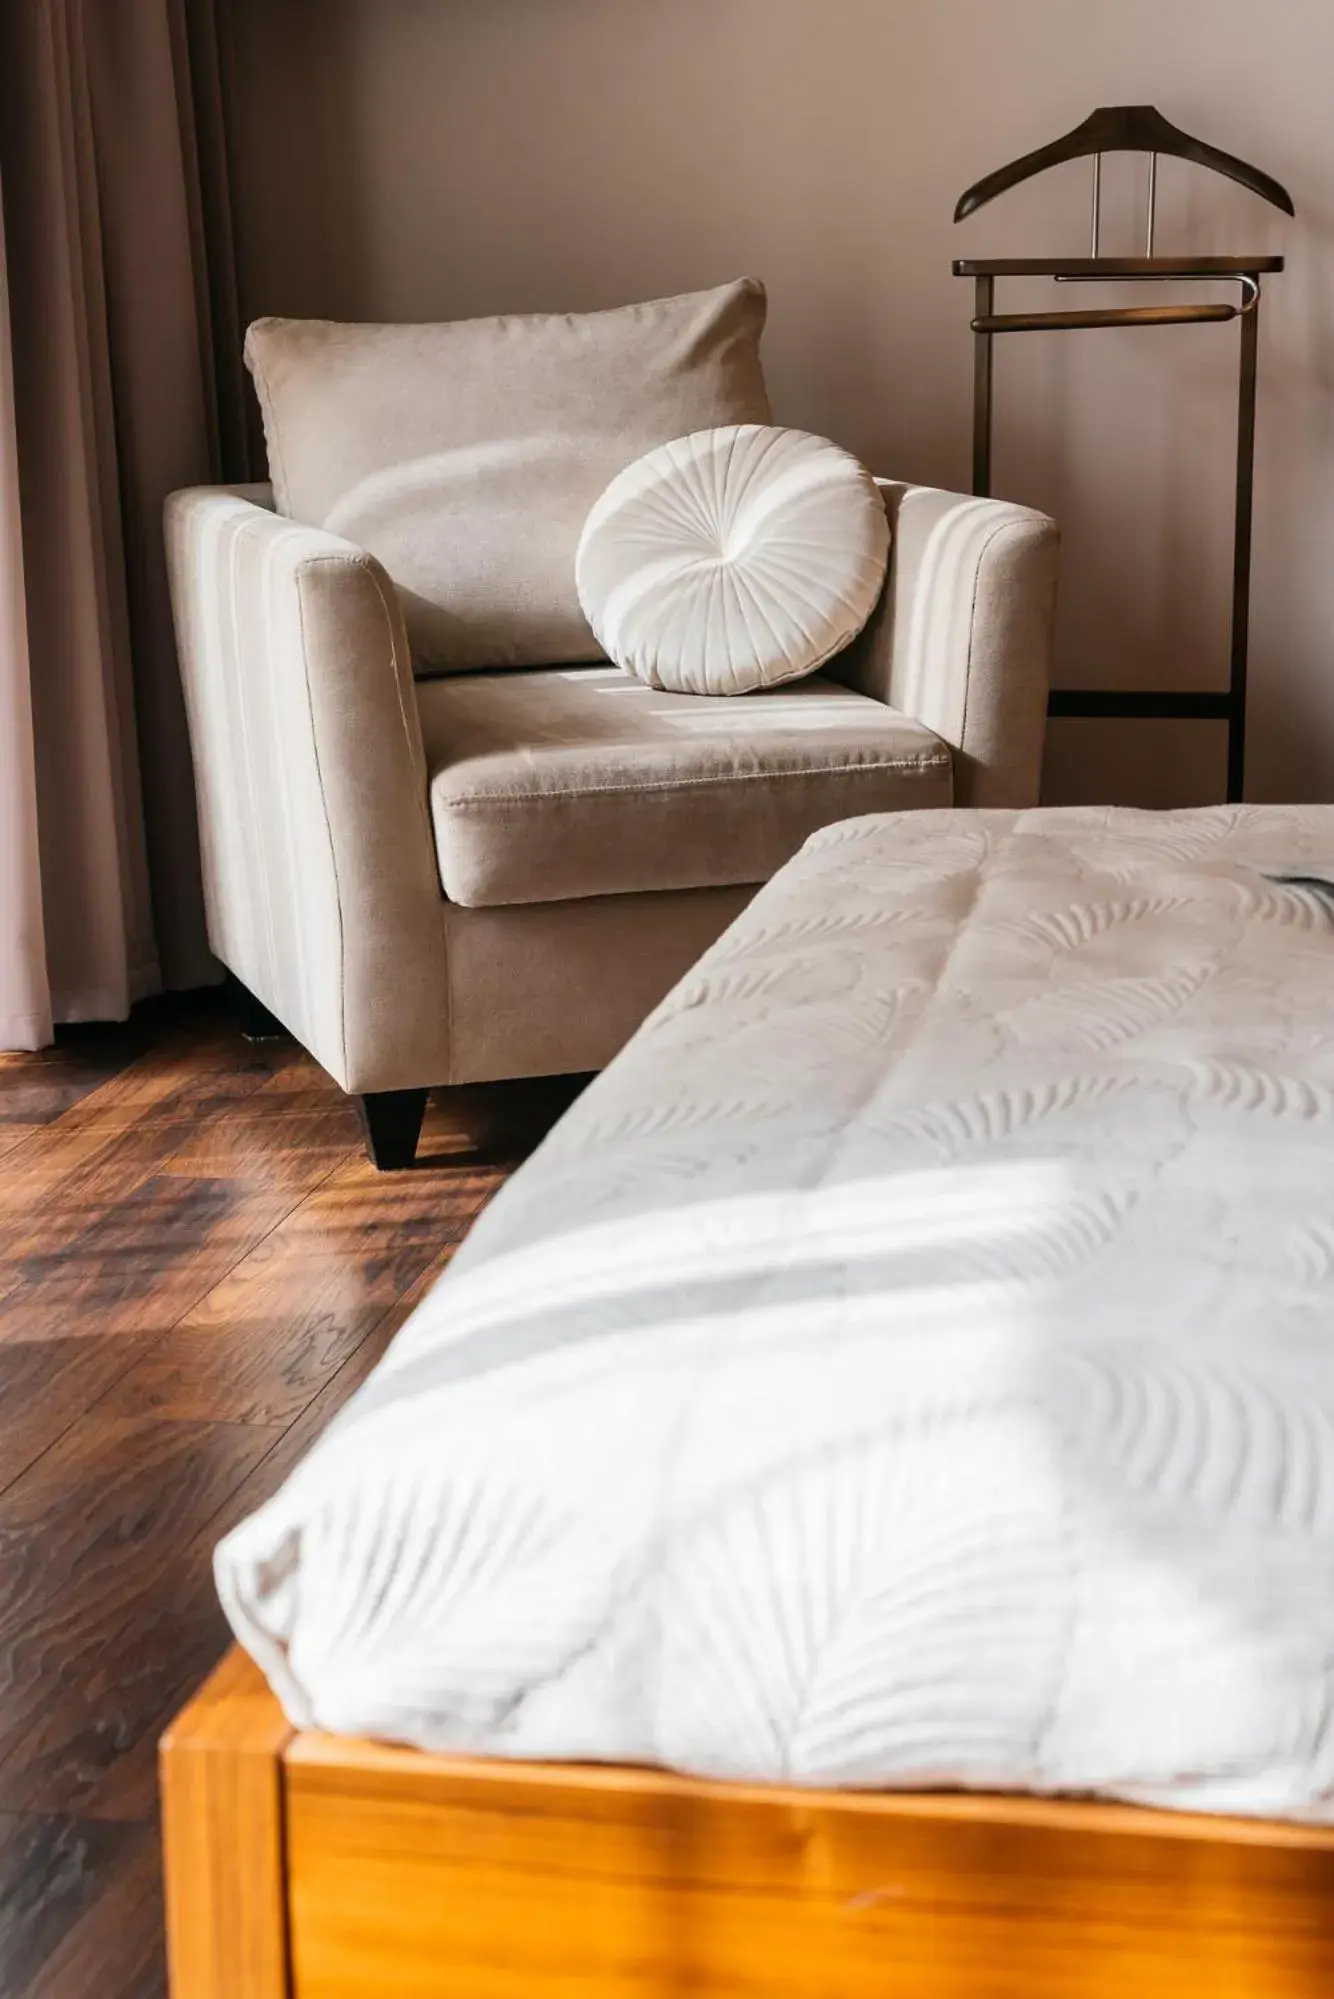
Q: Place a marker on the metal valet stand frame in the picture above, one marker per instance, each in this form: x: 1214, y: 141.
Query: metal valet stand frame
x: 1142, y: 129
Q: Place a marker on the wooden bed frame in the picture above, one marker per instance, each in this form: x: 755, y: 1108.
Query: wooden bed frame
x: 306, y: 1866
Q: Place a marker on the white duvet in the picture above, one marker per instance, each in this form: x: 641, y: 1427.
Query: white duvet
x: 911, y: 1363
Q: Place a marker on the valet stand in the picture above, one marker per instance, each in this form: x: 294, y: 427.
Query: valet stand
x: 1135, y: 129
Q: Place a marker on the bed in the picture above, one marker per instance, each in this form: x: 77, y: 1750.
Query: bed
x: 859, y: 1513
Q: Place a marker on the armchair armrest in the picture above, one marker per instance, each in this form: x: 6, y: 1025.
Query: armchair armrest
x: 962, y: 638
x: 319, y: 869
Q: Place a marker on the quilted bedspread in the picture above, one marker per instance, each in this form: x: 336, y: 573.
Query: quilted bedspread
x: 911, y: 1363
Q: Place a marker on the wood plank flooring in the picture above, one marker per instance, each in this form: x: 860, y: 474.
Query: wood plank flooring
x: 197, y: 1266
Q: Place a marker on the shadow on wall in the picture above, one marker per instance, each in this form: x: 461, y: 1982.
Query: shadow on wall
x: 304, y: 224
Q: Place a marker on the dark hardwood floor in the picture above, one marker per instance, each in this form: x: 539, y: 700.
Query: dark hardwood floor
x: 197, y: 1266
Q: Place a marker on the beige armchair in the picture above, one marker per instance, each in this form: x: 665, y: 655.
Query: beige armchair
x: 499, y: 874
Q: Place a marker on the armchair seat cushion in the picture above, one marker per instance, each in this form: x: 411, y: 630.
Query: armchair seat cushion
x: 554, y: 785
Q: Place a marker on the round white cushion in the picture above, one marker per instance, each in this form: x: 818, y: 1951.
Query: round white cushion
x: 733, y: 560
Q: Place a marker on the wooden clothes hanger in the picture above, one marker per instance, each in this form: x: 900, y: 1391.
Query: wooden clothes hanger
x: 1123, y: 128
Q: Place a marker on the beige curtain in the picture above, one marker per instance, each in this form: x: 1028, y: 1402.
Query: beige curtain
x: 25, y: 1004
x: 121, y: 309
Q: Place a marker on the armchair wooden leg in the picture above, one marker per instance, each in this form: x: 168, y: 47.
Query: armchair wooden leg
x: 257, y: 1023
x: 392, y: 1122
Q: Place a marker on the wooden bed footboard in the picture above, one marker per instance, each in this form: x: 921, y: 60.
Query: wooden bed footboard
x: 305, y: 1866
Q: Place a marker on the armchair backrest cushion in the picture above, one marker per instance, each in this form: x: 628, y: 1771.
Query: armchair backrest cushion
x: 466, y: 456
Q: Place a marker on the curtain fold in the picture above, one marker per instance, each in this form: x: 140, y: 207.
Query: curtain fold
x: 125, y: 384
x: 25, y: 1003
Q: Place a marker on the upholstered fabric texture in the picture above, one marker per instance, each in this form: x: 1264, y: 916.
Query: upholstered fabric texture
x: 557, y: 988
x: 313, y: 785
x: 320, y: 875
x: 466, y: 456
x: 319, y: 879
x: 547, y: 786
x: 736, y: 559
x: 962, y: 635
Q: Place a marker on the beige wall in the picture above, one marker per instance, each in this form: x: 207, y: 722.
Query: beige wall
x: 424, y: 158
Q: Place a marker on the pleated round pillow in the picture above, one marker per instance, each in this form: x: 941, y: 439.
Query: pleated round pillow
x: 733, y: 560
